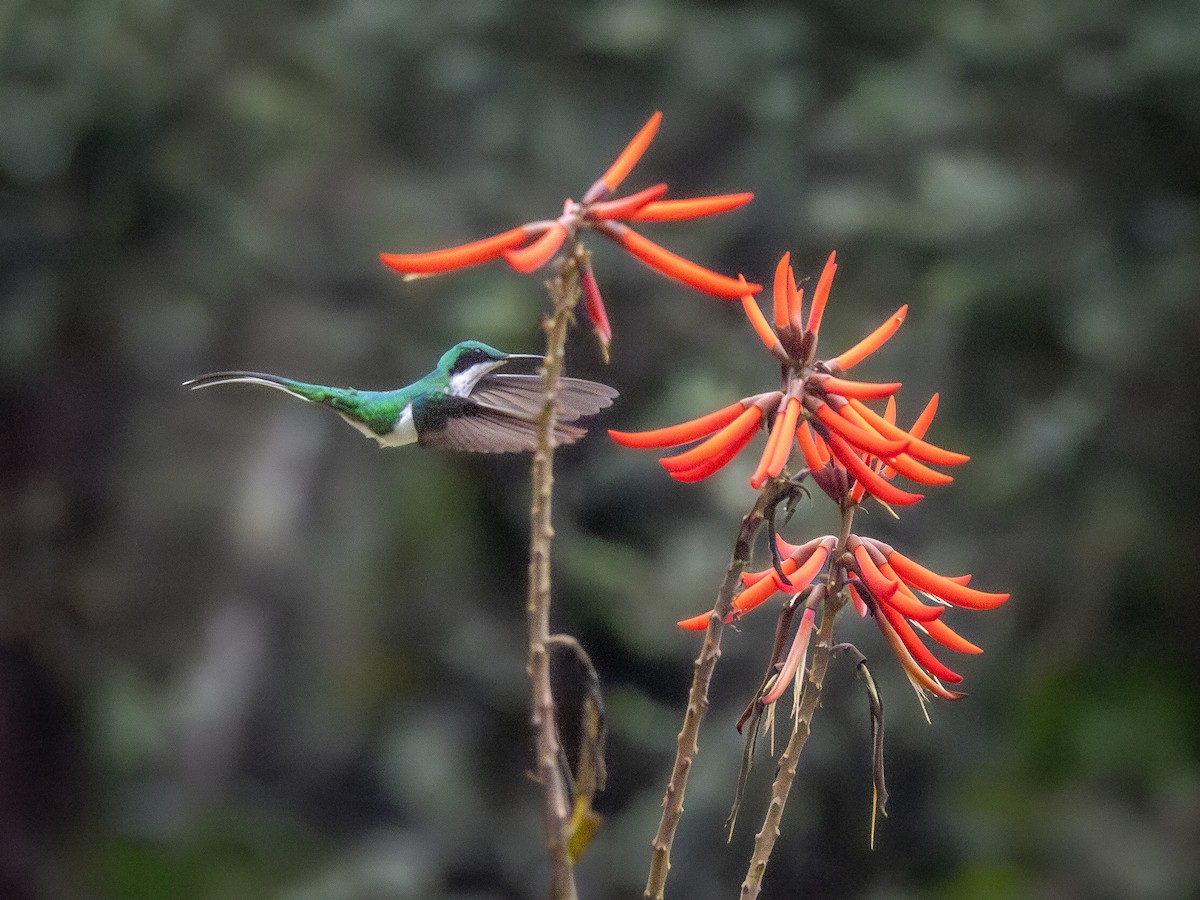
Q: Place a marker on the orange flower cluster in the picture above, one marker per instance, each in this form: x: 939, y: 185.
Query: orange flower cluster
x: 886, y: 583
x: 849, y: 448
x: 530, y: 246
x: 883, y: 583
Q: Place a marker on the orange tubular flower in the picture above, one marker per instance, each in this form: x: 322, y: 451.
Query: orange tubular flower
x: 801, y: 568
x: 888, y: 584
x: 531, y: 246
x: 796, y: 656
x: 849, y: 450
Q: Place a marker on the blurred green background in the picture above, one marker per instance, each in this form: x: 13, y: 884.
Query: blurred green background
x: 244, y: 653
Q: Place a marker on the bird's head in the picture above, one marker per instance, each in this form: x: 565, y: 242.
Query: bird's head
x: 465, y: 363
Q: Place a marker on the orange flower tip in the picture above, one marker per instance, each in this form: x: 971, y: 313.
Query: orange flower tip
x: 459, y: 257
x: 593, y: 302
x: 821, y: 294
x: 633, y: 151
x: 674, y: 266
x: 537, y: 254
x: 696, y: 623
x: 692, y: 208
x: 861, y: 390
x: 626, y: 207
x: 781, y: 292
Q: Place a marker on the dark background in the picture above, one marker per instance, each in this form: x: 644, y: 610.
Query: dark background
x: 245, y: 653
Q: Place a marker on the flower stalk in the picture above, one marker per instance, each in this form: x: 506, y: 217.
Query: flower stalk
x: 687, y: 747
x: 564, y: 290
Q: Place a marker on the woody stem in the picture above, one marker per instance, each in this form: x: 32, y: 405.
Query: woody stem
x: 687, y: 747
x: 563, y: 289
x: 810, y: 699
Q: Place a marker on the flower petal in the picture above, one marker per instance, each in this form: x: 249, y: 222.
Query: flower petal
x: 916, y: 447
x: 675, y: 266
x: 796, y: 656
x: 804, y: 574
x: 455, y: 257
x: 625, y: 207
x: 784, y: 448
x: 714, y: 463
x: 538, y: 253
x: 920, y: 652
x: 919, y: 677
x: 821, y: 294
x: 804, y: 437
x: 884, y: 490
x: 593, y: 304
x: 744, y: 424
x: 759, y: 322
x: 948, y: 637
x: 868, y: 441
x: 931, y: 582
x: 781, y: 292
x: 696, y: 623
x: 683, y: 433
x: 633, y: 151
x: 693, y: 208
x: 871, y: 342
x: 863, y: 390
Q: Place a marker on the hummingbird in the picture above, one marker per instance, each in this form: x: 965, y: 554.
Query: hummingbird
x: 463, y: 404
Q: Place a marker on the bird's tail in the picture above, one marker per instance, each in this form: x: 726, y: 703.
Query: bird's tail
x: 313, y: 393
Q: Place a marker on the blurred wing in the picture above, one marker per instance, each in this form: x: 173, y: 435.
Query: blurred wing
x: 488, y: 431
x: 522, y: 396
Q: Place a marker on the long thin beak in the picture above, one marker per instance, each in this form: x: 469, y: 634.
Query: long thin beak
x: 509, y: 356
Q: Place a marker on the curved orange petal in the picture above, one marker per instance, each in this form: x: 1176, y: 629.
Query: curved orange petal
x: 784, y: 448
x: 882, y: 588
x: 744, y: 424
x: 683, y: 433
x: 454, y: 257
x: 916, y: 447
x: 948, y: 637
x: 696, y: 623
x: 538, y: 253
x: 804, y: 574
x: 693, y: 208
x: 714, y: 463
x: 868, y: 441
x: 625, y: 207
x: 919, y: 676
x: 781, y: 292
x: 759, y: 322
x: 918, y: 472
x: 951, y: 591
x: 863, y: 390
x: 821, y: 294
x: 920, y: 652
x: 776, y: 436
x: 804, y: 437
x: 907, y: 603
x: 884, y: 490
x: 677, y: 267
x: 633, y: 151
x: 795, y: 658
x: 871, y: 342
x: 925, y: 419
x: 795, y: 302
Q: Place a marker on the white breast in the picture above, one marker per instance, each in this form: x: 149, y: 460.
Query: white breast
x: 405, y: 431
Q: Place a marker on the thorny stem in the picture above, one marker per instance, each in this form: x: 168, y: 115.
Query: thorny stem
x: 564, y: 292
x: 810, y: 699
x: 710, y: 652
